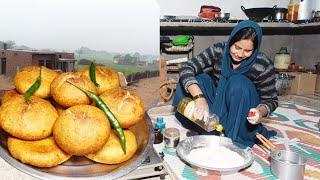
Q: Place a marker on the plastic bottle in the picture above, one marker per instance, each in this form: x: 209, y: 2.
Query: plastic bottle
x: 186, y: 107
x: 160, y: 124
x: 158, y: 129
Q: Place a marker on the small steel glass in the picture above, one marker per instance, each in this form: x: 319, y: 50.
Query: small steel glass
x: 171, y: 137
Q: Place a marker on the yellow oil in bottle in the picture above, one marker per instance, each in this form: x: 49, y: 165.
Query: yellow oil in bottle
x: 186, y: 107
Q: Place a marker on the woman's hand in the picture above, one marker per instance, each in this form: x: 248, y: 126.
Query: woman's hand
x: 201, y: 110
x: 254, y: 116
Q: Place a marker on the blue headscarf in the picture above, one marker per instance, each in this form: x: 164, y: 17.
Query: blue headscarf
x: 227, y: 71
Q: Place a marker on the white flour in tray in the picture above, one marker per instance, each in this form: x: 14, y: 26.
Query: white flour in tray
x: 216, y: 157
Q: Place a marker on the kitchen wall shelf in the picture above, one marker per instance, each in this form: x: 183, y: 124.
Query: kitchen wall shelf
x: 216, y: 28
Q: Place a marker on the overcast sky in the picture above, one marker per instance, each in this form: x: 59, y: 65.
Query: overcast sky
x: 123, y: 26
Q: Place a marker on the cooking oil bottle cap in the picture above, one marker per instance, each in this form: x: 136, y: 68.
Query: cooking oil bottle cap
x: 160, y: 124
x: 219, y: 128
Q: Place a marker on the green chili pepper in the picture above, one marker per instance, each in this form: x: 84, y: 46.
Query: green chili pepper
x: 93, y: 73
x: 35, y: 86
x: 112, y: 119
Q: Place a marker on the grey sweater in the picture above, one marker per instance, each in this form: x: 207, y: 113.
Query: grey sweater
x: 262, y: 73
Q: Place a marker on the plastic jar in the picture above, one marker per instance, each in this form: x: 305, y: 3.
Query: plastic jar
x: 293, y: 9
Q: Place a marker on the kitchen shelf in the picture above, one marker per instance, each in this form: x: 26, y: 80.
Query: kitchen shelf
x: 173, y: 28
x: 227, y: 25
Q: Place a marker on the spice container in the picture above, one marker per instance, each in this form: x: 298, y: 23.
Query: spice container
x: 171, y: 137
x: 186, y: 107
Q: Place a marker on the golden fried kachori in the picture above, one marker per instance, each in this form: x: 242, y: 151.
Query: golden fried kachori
x: 26, y: 77
x: 81, y: 129
x: 66, y: 94
x: 59, y: 109
x: 8, y: 95
x: 125, y: 105
x: 40, y: 153
x: 31, y: 121
x: 106, y: 77
x: 112, y: 153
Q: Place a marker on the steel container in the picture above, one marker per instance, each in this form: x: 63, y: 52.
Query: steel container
x: 287, y: 165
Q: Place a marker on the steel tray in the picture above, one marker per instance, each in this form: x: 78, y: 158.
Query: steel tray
x: 81, y: 167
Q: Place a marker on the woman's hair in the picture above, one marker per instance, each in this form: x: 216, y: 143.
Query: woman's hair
x: 245, y: 34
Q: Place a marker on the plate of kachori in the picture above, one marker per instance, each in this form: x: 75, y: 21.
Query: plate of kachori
x: 61, y: 134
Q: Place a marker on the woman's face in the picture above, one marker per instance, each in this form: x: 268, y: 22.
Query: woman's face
x: 241, y: 50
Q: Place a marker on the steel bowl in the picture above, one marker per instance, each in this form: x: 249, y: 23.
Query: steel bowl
x: 81, y: 167
x: 287, y: 165
x: 194, y: 142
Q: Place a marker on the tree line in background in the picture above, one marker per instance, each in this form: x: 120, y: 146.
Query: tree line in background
x: 119, y: 58
x: 135, y: 64
x: 87, y: 53
x: 9, y: 44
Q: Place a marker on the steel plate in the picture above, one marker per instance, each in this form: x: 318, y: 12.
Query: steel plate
x: 81, y: 167
x: 185, y: 146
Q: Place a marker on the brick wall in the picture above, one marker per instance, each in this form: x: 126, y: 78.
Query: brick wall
x: 16, y: 60
x: 19, y: 59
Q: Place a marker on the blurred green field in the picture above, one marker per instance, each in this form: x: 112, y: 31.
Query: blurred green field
x: 126, y: 69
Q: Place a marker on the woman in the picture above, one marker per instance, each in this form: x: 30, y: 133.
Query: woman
x: 230, y: 79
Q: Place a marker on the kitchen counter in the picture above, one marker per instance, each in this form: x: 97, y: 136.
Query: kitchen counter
x: 296, y: 128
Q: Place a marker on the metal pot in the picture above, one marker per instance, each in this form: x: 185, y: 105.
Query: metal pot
x: 316, y: 14
x: 222, y: 16
x: 287, y: 165
x: 279, y: 14
x: 282, y: 83
x: 258, y: 14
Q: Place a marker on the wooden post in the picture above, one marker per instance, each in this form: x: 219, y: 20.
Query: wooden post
x: 163, y: 75
x: 163, y: 69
